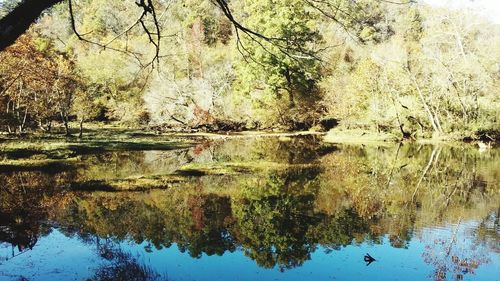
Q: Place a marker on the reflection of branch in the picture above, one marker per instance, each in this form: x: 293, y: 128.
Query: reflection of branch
x: 18, y: 254
x: 392, y: 169
x: 453, y: 237
x: 448, y: 198
x: 426, y: 169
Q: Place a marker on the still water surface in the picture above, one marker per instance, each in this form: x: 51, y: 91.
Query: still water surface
x: 251, y: 208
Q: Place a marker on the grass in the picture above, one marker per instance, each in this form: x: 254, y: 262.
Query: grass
x: 69, y: 148
x: 47, y: 165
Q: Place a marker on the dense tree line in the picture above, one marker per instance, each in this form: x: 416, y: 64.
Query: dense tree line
x: 408, y: 70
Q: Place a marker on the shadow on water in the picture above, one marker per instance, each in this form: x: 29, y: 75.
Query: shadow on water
x: 286, y: 199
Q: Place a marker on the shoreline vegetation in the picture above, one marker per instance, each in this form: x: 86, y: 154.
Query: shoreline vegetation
x: 101, y: 130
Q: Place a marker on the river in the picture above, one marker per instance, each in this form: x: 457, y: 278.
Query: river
x: 248, y: 208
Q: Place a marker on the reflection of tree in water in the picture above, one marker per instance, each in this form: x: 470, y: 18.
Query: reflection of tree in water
x: 273, y: 219
x: 121, y: 265
x: 341, y: 229
x: 448, y: 185
x: 487, y: 233
x: 22, y: 235
x: 450, y: 255
x: 25, y: 198
x: 277, y: 217
x: 196, y: 223
x: 277, y: 224
x: 211, y: 217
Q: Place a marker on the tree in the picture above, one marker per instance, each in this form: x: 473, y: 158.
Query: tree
x: 285, y: 70
x: 39, y: 84
x: 85, y: 105
x: 429, y: 76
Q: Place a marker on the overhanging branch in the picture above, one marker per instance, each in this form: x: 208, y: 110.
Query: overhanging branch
x: 15, y: 23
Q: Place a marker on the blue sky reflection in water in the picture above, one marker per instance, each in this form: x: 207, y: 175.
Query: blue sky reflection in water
x: 58, y: 257
x: 273, y: 209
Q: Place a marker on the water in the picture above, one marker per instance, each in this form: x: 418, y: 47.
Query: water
x: 249, y: 208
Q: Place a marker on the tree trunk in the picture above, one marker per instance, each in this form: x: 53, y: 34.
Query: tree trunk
x: 427, y: 109
x: 21, y: 127
x: 80, y: 134
x: 40, y: 125
x: 405, y: 135
x: 460, y: 46
x: 453, y: 83
x: 438, y: 122
x: 64, y: 119
x: 289, y: 89
x: 15, y: 23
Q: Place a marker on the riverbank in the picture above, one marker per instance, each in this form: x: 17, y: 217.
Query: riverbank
x: 364, y: 136
x: 103, y: 131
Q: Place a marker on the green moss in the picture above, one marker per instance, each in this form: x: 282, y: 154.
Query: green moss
x: 130, y: 184
x: 234, y: 168
x: 45, y: 165
x: 64, y: 149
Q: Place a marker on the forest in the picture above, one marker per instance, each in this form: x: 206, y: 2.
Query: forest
x: 393, y: 70
x: 248, y: 140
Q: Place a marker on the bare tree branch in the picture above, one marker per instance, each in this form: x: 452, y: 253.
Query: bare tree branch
x: 104, y: 46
